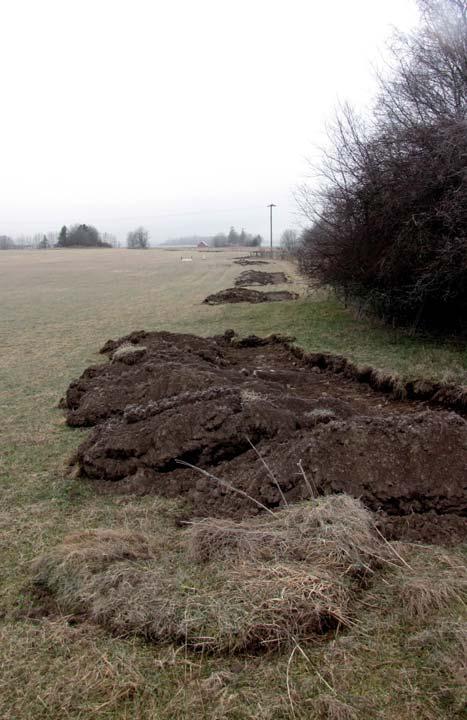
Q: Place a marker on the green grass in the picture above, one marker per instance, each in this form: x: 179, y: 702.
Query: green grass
x: 321, y: 323
x: 56, y: 309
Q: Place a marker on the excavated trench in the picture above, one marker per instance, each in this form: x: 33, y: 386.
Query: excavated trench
x: 259, y: 277
x: 274, y: 423
x: 250, y: 261
x: 242, y: 294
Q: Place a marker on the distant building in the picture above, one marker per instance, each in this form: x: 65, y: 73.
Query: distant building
x: 202, y: 245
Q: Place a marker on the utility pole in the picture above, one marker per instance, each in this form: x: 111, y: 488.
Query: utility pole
x: 270, y: 222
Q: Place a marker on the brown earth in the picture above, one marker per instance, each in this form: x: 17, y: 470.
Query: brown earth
x: 164, y: 398
x: 259, y: 277
x: 250, y: 261
x: 237, y: 295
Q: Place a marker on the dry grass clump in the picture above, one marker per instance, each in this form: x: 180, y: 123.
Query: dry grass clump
x: 226, y: 586
x: 454, y: 662
x: 329, y: 707
x: 432, y: 586
x: 95, y: 550
x: 276, y: 603
x: 131, y: 599
x: 332, y: 531
x: 67, y: 569
x: 252, y: 607
x: 128, y: 353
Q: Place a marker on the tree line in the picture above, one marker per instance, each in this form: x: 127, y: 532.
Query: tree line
x: 234, y: 238
x: 82, y: 235
x: 75, y: 236
x: 79, y: 235
x: 23, y: 242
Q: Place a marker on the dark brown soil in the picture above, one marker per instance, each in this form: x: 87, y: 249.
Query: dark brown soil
x: 164, y: 397
x: 240, y: 294
x: 259, y: 277
x: 250, y: 261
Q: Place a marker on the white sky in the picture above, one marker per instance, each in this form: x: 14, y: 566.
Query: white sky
x: 185, y: 116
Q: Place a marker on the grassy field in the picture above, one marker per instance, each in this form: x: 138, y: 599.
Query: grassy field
x: 56, y: 309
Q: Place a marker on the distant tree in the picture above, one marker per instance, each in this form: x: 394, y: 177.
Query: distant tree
x: 233, y: 237
x: 83, y: 236
x: 44, y: 243
x: 80, y: 236
x: 138, y: 238
x: 6, y: 242
x: 62, y: 237
x: 290, y: 241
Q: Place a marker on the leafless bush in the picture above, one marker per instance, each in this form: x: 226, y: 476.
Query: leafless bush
x: 388, y: 221
x: 138, y: 238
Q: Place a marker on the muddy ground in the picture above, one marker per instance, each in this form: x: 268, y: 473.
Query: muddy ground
x: 250, y: 261
x: 241, y: 294
x: 259, y: 277
x: 163, y: 398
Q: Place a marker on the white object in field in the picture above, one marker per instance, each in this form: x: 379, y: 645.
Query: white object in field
x: 186, y: 259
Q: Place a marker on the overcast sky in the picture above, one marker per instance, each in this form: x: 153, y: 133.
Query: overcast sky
x: 186, y: 116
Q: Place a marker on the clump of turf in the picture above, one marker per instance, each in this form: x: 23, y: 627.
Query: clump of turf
x: 430, y: 586
x: 335, y: 532
x: 128, y: 353
x: 225, y: 586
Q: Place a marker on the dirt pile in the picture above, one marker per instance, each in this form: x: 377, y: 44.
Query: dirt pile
x: 240, y: 294
x: 206, y: 401
x: 259, y: 277
x: 250, y: 261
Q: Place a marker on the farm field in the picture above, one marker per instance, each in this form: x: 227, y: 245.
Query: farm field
x: 57, y: 308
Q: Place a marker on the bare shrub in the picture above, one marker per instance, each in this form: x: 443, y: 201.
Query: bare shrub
x: 388, y: 222
x: 138, y: 238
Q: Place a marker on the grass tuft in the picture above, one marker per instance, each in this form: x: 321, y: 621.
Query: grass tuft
x: 329, y: 707
x: 334, y: 530
x: 424, y: 591
x: 227, y: 587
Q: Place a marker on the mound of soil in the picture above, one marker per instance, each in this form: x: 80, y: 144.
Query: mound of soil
x: 259, y: 277
x: 238, y: 295
x: 205, y: 401
x: 250, y: 261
